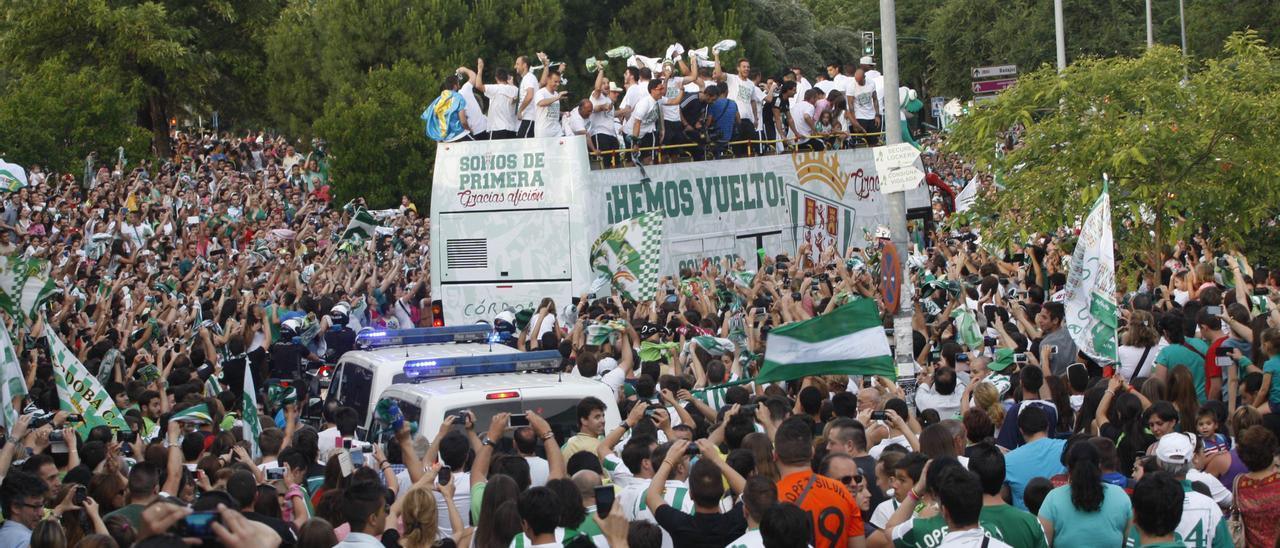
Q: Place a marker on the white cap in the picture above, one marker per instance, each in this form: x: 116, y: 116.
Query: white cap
x: 867, y: 60
x: 1175, y: 448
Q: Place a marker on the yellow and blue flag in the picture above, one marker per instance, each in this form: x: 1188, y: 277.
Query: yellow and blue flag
x: 442, y: 116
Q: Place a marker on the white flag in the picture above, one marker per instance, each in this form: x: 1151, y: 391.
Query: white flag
x: 249, y: 409
x: 1090, y: 300
x: 967, y: 197
x: 12, y: 176
x: 13, y: 384
x: 80, y: 392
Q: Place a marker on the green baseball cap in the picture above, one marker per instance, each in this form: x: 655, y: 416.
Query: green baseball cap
x: 1002, y: 361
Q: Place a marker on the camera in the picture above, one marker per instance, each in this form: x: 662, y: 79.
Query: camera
x: 1223, y: 262
x: 879, y: 416
x: 57, y: 436
x: 1020, y: 357
x: 692, y: 450
x: 274, y: 474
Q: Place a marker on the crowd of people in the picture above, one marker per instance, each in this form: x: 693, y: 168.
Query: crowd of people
x: 688, y: 109
x: 229, y: 260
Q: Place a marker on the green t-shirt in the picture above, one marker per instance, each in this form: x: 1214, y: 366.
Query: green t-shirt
x: 1002, y: 522
x: 587, y: 528
x: 1176, y: 354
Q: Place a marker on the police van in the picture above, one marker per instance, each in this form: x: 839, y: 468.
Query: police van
x: 432, y: 372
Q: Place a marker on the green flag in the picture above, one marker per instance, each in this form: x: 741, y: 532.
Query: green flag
x: 967, y: 329
x: 629, y: 253
x: 847, y: 341
x: 713, y: 345
x: 249, y: 408
x: 13, y: 385
x: 198, y: 414
x: 80, y: 392
x: 24, y: 286
x: 362, y: 224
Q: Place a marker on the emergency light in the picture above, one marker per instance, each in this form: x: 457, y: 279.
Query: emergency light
x: 422, y: 335
x: 436, y: 368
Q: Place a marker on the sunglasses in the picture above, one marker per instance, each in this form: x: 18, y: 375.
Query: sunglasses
x: 850, y: 480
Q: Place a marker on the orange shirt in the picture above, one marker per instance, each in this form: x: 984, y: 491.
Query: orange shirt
x: 836, y: 517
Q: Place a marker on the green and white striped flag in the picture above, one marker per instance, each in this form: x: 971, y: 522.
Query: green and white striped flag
x: 249, y: 408
x: 80, y: 392
x: 13, y: 384
x: 362, y: 224
x: 967, y: 329
x: 600, y: 333
x: 1092, y: 313
x: 742, y: 277
x: 198, y: 414
x: 848, y: 341
x: 714, y: 396
x: 12, y: 177
x: 24, y: 285
x: 629, y: 253
x: 714, y: 345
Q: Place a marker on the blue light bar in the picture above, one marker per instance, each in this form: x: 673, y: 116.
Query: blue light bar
x: 423, y: 335
x: 426, y: 369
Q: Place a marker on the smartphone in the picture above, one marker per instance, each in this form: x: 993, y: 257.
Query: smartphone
x: 1020, y: 357
x: 357, y: 457
x: 962, y: 357
x: 123, y: 436
x: 81, y: 494
x: 517, y: 421
x: 1261, y: 291
x: 879, y: 416
x: 604, y: 500
x: 761, y: 310
x: 1222, y: 351
x: 274, y: 474
x: 445, y: 474
x: 75, y: 418
x: 1214, y: 310
x: 198, y: 525
x: 692, y: 450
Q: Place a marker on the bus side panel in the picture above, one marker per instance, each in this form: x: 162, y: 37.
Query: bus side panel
x: 497, y: 208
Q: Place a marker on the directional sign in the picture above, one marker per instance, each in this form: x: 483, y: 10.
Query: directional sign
x: 996, y: 71
x: 992, y: 86
x: 901, y: 179
x: 894, y: 156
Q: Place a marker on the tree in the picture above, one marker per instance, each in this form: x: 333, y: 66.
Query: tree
x: 175, y: 53
x: 379, y: 147
x: 54, y: 116
x: 1182, y: 155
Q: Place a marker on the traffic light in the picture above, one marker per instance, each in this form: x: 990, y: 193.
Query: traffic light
x: 868, y: 43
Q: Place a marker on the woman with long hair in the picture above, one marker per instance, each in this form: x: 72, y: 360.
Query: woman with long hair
x: 1061, y: 398
x: 1086, y: 511
x: 418, y: 512
x: 1182, y: 394
x: 1120, y: 419
x: 987, y: 397
x: 762, y: 449
x: 48, y: 534
x: 495, y: 527
x: 1244, y: 417
x: 1140, y: 343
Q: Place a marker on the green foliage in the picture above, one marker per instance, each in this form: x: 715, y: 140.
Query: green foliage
x: 379, y: 148
x: 54, y: 117
x: 1182, y: 154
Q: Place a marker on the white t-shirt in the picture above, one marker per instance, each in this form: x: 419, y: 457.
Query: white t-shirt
x: 825, y: 86
x: 947, y: 405
x: 1221, y: 494
x: 1131, y: 355
x: 863, y: 96
x: 800, y: 109
x: 461, y: 501
x: 502, y: 107
x: 574, y: 123
x: 547, y: 121
x: 601, y: 120
x: 750, y: 539
x: 841, y: 81
x: 475, y: 115
x: 1200, y: 519
x: 802, y: 85
x: 880, y: 516
x: 646, y: 111
x: 675, y: 87
x: 528, y: 88
x: 634, y: 93
x: 539, y: 471
x: 744, y: 93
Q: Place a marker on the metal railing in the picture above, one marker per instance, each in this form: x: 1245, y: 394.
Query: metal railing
x: 684, y: 152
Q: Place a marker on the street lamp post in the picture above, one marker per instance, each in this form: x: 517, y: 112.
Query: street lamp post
x: 1060, y: 32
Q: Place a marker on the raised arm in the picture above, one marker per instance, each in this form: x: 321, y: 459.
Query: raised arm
x: 555, y: 460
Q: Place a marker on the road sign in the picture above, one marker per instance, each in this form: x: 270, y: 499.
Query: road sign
x: 900, y: 180
x: 995, y: 71
x: 890, y: 278
x: 894, y: 156
x: 992, y: 86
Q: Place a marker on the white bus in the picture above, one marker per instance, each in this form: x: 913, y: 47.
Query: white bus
x: 512, y: 221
